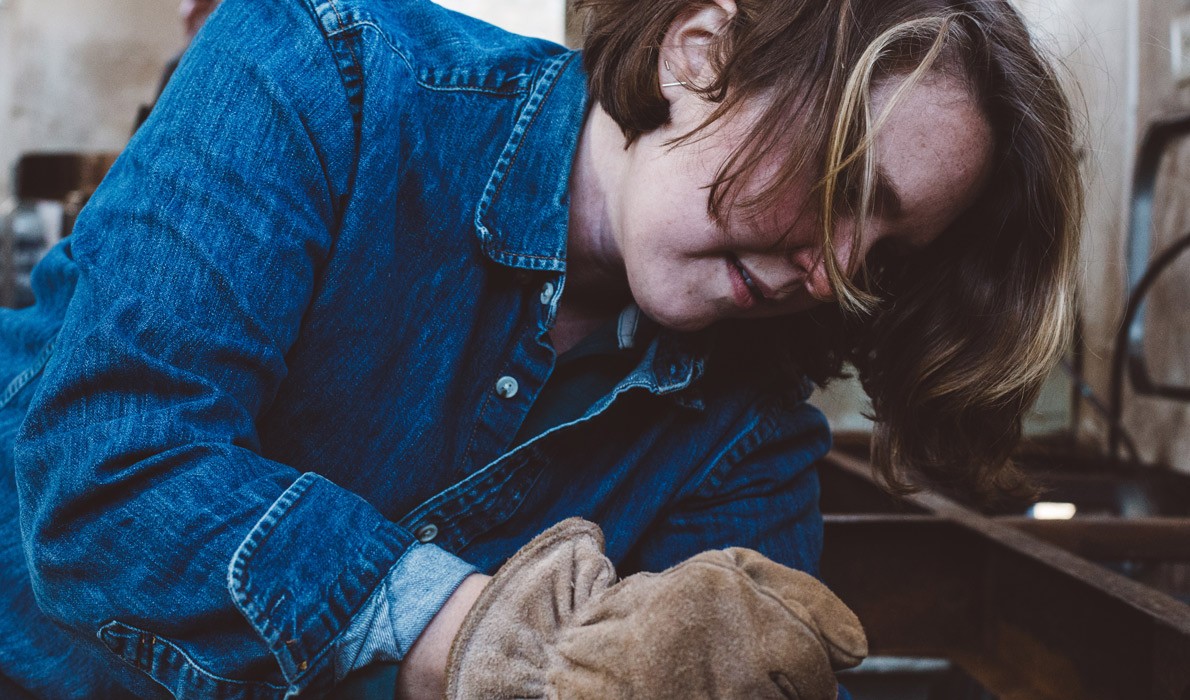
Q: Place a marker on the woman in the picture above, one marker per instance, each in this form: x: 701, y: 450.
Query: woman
x: 379, y: 293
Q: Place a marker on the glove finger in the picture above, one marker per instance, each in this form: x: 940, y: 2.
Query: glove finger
x: 704, y: 629
x: 835, y: 623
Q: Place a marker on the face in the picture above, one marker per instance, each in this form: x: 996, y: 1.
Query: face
x: 686, y: 271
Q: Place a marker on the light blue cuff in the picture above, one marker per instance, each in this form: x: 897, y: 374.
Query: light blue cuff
x: 400, y: 608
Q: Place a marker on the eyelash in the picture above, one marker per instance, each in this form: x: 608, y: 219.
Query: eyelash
x: 849, y: 196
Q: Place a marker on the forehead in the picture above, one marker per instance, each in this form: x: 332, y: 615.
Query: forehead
x: 934, y: 148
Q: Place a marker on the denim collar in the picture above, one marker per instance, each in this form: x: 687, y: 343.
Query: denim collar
x: 523, y: 215
x: 522, y: 218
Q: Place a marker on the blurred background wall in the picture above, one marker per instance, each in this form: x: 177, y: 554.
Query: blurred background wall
x: 1119, y: 55
x: 73, y: 73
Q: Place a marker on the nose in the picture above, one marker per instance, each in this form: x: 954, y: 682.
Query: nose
x: 818, y: 283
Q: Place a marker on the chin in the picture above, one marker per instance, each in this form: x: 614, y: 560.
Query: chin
x: 679, y: 319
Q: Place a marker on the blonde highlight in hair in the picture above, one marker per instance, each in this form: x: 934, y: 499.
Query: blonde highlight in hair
x: 854, y: 123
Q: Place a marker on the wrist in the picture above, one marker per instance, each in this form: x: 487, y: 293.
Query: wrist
x: 423, y: 670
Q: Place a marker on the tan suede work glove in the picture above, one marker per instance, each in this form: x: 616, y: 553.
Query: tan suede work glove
x: 554, y: 623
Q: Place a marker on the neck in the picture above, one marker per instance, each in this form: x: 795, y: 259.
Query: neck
x: 596, y: 283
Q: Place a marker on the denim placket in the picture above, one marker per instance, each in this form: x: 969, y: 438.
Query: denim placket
x: 492, y: 494
x: 513, y: 384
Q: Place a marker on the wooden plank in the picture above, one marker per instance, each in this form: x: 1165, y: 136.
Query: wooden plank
x: 846, y: 492
x: 908, y: 578
x: 1111, y: 539
x: 1024, y: 617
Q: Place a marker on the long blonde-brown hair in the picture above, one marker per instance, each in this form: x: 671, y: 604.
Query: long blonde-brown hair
x: 951, y: 343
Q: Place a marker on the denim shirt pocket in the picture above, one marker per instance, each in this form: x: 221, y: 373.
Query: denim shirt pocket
x: 173, y: 669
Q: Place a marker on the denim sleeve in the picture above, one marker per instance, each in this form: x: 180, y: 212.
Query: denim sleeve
x: 151, y: 521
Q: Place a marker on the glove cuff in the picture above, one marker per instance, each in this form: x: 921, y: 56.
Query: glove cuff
x: 502, y: 648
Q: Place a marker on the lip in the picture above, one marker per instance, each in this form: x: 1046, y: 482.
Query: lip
x: 744, y: 297
x: 766, y: 292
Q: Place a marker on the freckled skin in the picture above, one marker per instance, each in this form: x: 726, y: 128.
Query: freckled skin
x: 935, y: 147
x: 656, y: 237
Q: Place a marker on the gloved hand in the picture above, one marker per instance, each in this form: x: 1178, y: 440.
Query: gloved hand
x: 554, y: 623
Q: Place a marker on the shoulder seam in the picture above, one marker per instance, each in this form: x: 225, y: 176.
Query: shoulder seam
x: 507, y: 86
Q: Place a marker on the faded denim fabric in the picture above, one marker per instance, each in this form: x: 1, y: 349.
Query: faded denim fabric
x: 295, y: 332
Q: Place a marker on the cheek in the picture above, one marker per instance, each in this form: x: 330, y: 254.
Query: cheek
x: 667, y: 229
x: 787, y: 224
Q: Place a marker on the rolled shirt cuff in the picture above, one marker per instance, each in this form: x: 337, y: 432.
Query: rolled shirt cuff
x: 400, y: 608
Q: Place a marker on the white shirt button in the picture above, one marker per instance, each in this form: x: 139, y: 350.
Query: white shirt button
x: 547, y: 292
x: 426, y: 533
x: 506, y: 387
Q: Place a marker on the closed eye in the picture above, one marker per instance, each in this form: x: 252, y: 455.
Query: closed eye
x: 886, y: 199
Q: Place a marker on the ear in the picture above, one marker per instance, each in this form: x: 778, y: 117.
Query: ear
x: 685, y: 53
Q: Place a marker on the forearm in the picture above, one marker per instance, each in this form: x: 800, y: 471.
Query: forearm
x: 423, y: 673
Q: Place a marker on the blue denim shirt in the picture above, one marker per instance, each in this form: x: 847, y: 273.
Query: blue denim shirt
x: 268, y: 394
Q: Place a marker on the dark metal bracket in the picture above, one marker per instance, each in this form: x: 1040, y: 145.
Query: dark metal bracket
x: 1128, y: 356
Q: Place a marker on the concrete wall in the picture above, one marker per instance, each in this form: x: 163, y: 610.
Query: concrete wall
x: 1119, y: 52
x: 1162, y: 429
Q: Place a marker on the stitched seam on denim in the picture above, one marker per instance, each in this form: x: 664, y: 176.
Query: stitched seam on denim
x: 463, y: 543
x: 242, y: 596
x: 550, y: 74
x: 515, y: 141
x: 739, y: 448
x: 483, y: 409
x: 332, y: 644
x: 129, y: 631
x: 533, y: 262
x: 598, y: 408
x: 473, y: 481
x: 22, y: 380
x: 477, y: 495
x: 471, y: 484
x: 401, y: 53
x: 257, y: 536
x: 347, y: 628
x: 350, y: 49
x: 355, y: 108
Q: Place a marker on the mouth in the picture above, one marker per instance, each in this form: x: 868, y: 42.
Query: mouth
x: 744, y: 288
